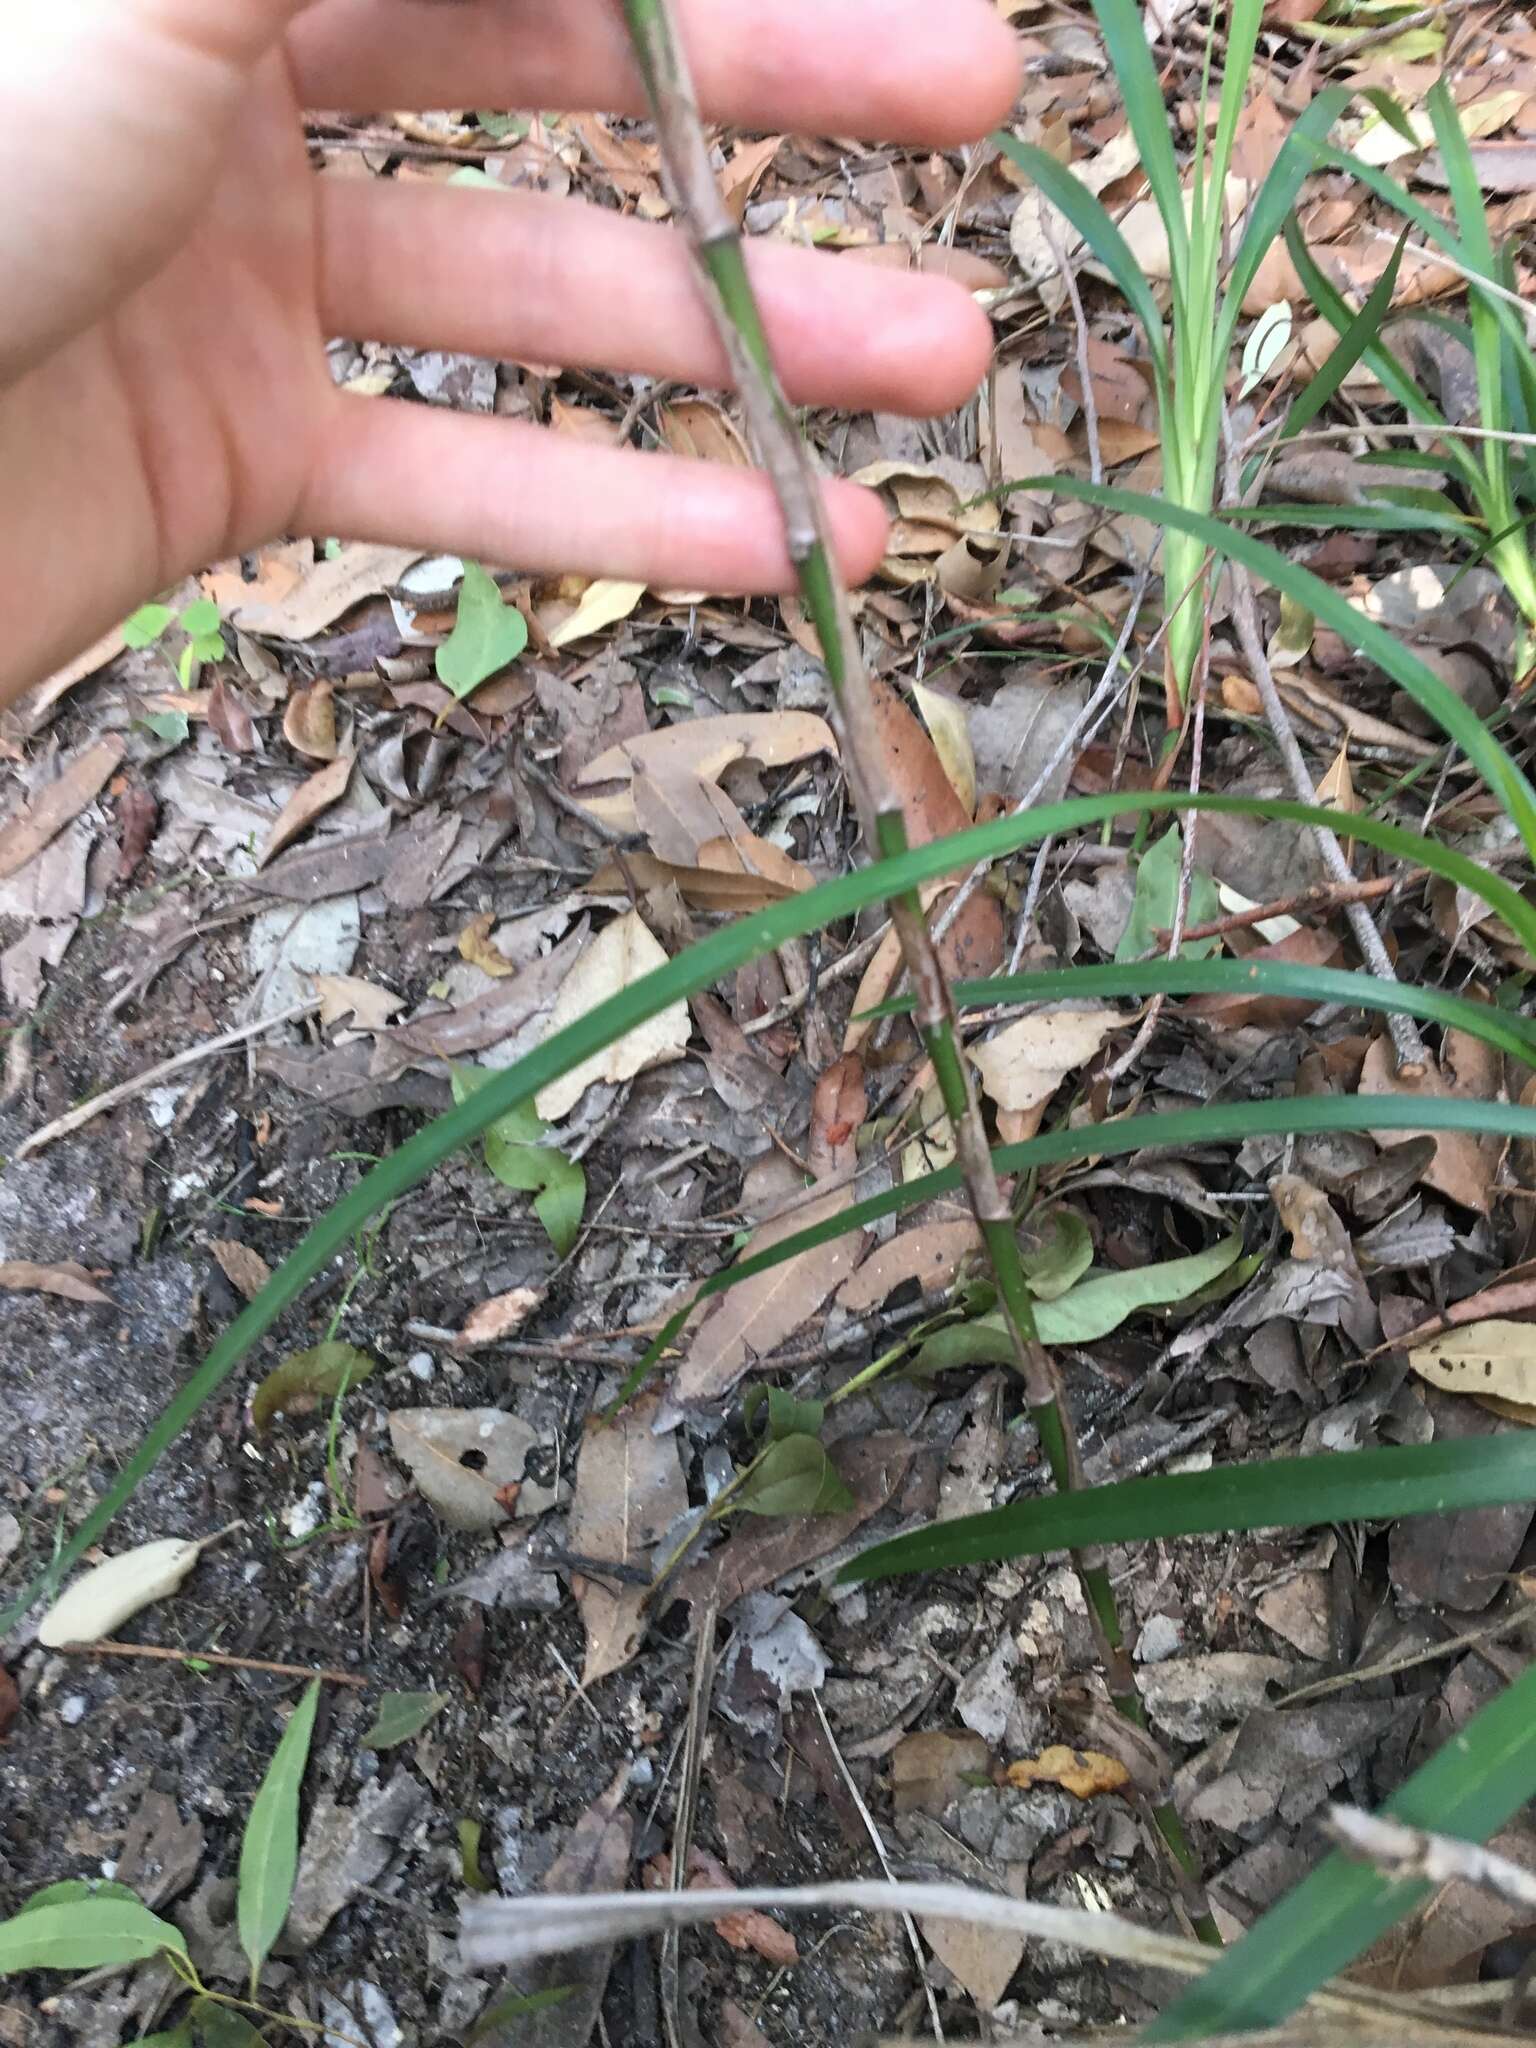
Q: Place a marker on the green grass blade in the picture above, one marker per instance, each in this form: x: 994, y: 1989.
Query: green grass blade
x: 1271, y: 208
x: 1379, y: 516
x: 1276, y: 1493
x: 269, y: 1848
x: 1181, y: 1128
x: 1470, y: 1788
x: 1506, y: 1029
x: 1354, y: 340
x: 1072, y: 198
x: 1142, y: 92
x: 1454, y: 717
x: 700, y: 967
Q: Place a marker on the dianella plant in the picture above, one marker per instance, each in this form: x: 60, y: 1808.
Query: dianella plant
x: 1188, y: 346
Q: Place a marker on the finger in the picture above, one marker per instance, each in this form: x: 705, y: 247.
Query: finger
x: 545, y: 280
x: 510, y: 493
x: 906, y: 70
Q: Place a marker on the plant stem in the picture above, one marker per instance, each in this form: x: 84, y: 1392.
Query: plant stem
x: 722, y: 270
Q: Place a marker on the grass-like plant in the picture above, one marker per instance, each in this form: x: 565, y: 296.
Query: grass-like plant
x: 1189, y: 353
x: 1493, y: 1767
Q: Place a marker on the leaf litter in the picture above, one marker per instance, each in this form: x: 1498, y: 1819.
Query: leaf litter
x: 1261, y: 1297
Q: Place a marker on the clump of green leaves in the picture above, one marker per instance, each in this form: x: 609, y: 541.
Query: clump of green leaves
x: 200, y: 622
x: 517, y: 1152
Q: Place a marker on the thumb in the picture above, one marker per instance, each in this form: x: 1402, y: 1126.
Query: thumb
x: 234, y: 32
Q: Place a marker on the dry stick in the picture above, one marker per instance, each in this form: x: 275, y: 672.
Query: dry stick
x: 220, y: 1657
x: 1406, y: 1042
x: 1324, y: 896
x: 1404, y: 1852
x: 722, y: 273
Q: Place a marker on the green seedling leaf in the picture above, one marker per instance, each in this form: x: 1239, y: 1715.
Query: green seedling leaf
x: 402, y: 1715
x: 307, y: 1379
x: 503, y: 127
x: 178, y: 2037
x: 785, y: 1415
x: 171, y: 727
x: 1083, y: 1314
x: 85, y: 1934
x: 517, y: 1157
x: 200, y: 620
x: 1265, y: 345
x: 217, y: 2026
x: 269, y: 1848
x: 488, y: 635
x: 482, y: 181
x: 745, y: 939
x: 70, y: 1890
x: 1290, y: 1493
x: 795, y: 1477
x: 471, y: 1876
x: 1061, y: 1258
x: 1394, y: 115
x: 516, y: 2007
x: 1156, y: 901
x: 147, y: 624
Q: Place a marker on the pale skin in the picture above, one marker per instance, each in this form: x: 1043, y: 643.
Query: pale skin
x: 172, y: 269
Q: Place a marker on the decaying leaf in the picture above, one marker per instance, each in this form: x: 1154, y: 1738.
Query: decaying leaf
x: 1463, y: 1165
x: 932, y: 1769
x: 308, y: 595
x: 947, y: 728
x: 348, y: 999
x: 303, y: 1382
x: 602, y: 605
x: 932, y: 1255
x: 328, y: 786
x: 68, y: 1280
x: 39, y: 821
x: 102, y: 1599
x: 498, y: 1317
x: 1494, y: 1360
x: 1023, y: 1066
x: 309, y: 722
x: 750, y: 1930
x: 620, y: 954
x: 1083, y: 1772
x: 704, y: 747
x: 245, y: 1270
x: 478, y: 947
x: 629, y: 1491
x: 467, y: 1462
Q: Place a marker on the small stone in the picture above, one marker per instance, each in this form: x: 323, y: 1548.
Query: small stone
x: 420, y: 1366
x: 72, y: 1709
x: 1161, y: 1636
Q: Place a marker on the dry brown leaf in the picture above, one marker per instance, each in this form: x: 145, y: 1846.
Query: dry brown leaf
x: 477, y: 947
x: 71, y: 1282
x: 621, y: 953
x: 696, y: 428
x: 229, y: 718
x: 1027, y: 1062
x: 951, y: 736
x: 1495, y: 1360
x: 744, y: 170
x: 704, y: 747
x: 701, y: 888
x: 629, y: 1491
x: 31, y: 713
x: 753, y: 1319
x: 930, y: 1770
x: 679, y: 813
x: 467, y: 1462
x: 245, y: 1270
x: 309, y: 722
x: 498, y: 1317
x: 751, y: 1930
x: 318, y: 596
x: 932, y: 1255
x: 324, y: 788
x: 982, y: 1958
x: 44, y: 816
x: 1462, y: 1166
x: 347, y: 997
x: 1307, y: 946
x: 747, y: 855
x: 1083, y: 1772
x: 602, y: 604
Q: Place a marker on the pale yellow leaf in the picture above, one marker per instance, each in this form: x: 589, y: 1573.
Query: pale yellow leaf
x: 704, y: 747
x: 1027, y: 1062
x: 621, y: 953
x: 951, y: 736
x: 1495, y: 1358
x: 602, y: 604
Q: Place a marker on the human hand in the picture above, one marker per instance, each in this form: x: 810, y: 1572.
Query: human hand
x: 172, y: 269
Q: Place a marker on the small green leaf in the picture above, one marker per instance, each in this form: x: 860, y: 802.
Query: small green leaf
x: 504, y: 127
x: 269, y: 1848
x: 785, y: 1415
x: 795, y: 1477
x: 478, y: 180
x: 1060, y: 1257
x: 178, y: 2037
x: 402, y: 1715
x: 170, y: 726
x: 70, y: 1890
x: 471, y: 1876
x: 209, y: 648
x: 515, y: 2007
x: 1394, y: 115
x: 85, y: 1934
x: 487, y: 636
x: 186, y: 666
x: 1157, y: 896
x: 307, y: 1378
x: 200, y: 620
x: 518, y: 1159
x: 215, y: 2025
x: 147, y: 624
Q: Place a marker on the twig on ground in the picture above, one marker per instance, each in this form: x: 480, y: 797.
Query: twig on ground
x: 222, y: 1658
x: 1404, y: 1852
x: 1324, y: 896
x: 84, y: 1112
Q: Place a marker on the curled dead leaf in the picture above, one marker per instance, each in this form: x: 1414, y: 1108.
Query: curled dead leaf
x: 1083, y: 1772
x: 328, y: 786
x: 309, y: 722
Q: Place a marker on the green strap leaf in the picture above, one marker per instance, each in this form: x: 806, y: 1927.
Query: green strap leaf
x: 1289, y: 1493
x: 1471, y: 1787
x: 269, y: 1848
x: 85, y: 1934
